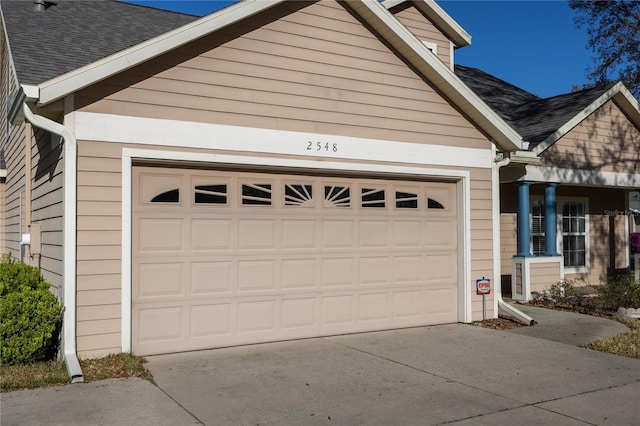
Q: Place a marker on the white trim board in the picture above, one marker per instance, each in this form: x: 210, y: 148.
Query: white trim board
x: 581, y: 177
x: 183, y: 134
x: 131, y: 154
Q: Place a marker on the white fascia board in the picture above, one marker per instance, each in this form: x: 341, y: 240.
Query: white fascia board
x: 439, y: 17
x: 73, y: 81
x: 619, y: 93
x: 192, y: 135
x: 438, y: 74
x: 581, y: 177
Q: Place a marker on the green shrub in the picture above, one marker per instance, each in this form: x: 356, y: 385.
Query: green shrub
x: 29, y: 315
x: 15, y: 275
x: 562, y: 289
x: 620, y: 292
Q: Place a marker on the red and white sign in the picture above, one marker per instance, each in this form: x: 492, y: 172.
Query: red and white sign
x: 483, y: 286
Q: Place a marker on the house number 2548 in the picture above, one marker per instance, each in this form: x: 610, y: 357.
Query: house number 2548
x: 319, y: 146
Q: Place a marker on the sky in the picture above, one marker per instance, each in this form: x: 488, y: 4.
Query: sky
x: 533, y: 44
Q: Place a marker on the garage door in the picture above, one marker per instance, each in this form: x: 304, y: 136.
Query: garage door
x: 228, y: 258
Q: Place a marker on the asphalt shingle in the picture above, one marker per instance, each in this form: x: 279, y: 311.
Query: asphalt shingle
x: 532, y: 117
x: 74, y: 33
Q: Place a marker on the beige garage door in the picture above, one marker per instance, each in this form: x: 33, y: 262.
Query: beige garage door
x: 229, y: 258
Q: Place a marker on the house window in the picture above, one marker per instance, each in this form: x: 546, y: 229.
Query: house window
x: 574, y: 234
x: 431, y: 46
x: 537, y: 227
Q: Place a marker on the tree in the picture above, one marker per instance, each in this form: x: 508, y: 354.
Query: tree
x: 613, y: 27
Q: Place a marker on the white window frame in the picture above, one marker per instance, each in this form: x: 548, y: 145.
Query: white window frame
x: 432, y: 46
x: 560, y: 234
x: 533, y: 201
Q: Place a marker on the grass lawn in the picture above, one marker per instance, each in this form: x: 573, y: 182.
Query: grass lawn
x: 29, y: 376
x: 626, y: 344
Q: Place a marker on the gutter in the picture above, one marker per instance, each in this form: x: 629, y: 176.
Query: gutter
x: 495, y: 179
x: 69, y: 238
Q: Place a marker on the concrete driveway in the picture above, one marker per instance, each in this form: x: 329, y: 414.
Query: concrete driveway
x: 422, y: 376
x: 453, y: 374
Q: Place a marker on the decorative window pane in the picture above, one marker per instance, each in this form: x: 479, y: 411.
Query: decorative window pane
x: 172, y: 196
x: 211, y: 194
x: 574, y: 234
x: 406, y: 200
x: 337, y: 196
x: 298, y: 195
x: 256, y: 194
x: 433, y: 204
x: 537, y: 227
x: 373, y: 198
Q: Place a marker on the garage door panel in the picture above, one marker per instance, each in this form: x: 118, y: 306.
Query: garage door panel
x: 161, y: 324
x: 256, y: 234
x: 373, y: 306
x: 299, y: 274
x: 209, y: 278
x: 407, y: 269
x: 440, y: 234
x: 407, y: 234
x: 440, y: 268
x: 210, y: 320
x: 256, y: 275
x: 211, y: 235
x: 299, y: 234
x: 256, y: 316
x: 161, y: 234
x: 297, y: 313
x: 408, y: 304
x: 337, y: 234
x: 374, y: 233
x: 374, y: 271
x: 243, y: 258
x: 160, y: 279
x: 337, y: 272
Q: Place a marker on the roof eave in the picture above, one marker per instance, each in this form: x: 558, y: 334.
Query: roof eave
x: 438, y: 74
x: 619, y: 93
x: 439, y: 17
x: 70, y: 82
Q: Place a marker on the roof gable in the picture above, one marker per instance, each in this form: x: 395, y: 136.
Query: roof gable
x: 541, y: 122
x: 438, y: 16
x: 373, y: 13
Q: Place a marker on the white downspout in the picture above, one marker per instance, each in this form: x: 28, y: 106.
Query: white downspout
x: 69, y: 238
x: 495, y: 179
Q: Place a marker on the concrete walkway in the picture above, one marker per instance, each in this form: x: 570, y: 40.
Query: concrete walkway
x: 451, y: 374
x: 567, y: 327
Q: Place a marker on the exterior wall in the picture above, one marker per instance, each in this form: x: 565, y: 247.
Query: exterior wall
x: 606, y: 141
x: 14, y: 152
x: 12, y: 143
x: 324, y: 73
x: 424, y: 30
x: 2, y: 214
x: 330, y: 75
x: 482, y: 240
x: 544, y: 275
x: 608, y: 237
x: 46, y: 200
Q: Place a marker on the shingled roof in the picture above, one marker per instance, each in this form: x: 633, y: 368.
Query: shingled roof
x: 50, y: 43
x: 532, y: 117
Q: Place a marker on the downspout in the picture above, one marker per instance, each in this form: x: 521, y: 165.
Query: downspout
x: 502, y: 305
x: 69, y: 238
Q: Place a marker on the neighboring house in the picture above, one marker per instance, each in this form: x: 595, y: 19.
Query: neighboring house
x: 274, y: 170
x: 574, y: 203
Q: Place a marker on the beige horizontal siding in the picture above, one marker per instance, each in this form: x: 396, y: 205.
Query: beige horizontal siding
x: 544, y: 275
x: 336, y: 79
x: 46, y: 203
x: 605, y: 141
x: 14, y: 152
x: 424, y: 30
x: 481, y: 241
